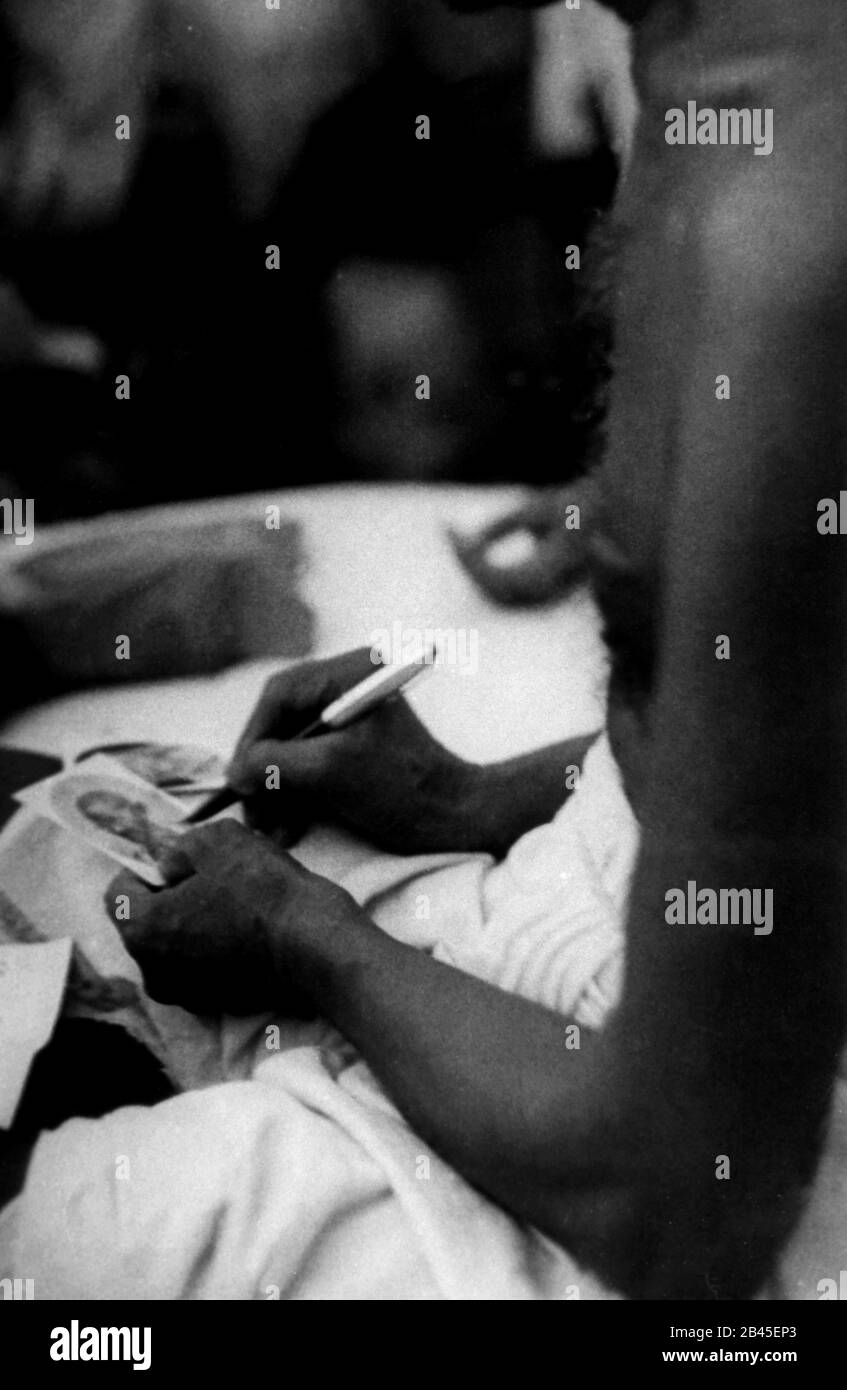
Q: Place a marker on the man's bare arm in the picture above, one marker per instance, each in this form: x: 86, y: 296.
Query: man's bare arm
x: 725, y: 1046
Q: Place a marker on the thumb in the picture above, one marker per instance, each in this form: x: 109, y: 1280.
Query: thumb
x: 127, y: 900
x: 174, y: 864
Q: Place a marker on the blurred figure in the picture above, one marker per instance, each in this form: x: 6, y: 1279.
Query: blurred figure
x: 392, y: 325
x: 294, y: 128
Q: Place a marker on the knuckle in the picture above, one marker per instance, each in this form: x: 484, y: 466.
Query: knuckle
x: 214, y: 842
x: 362, y: 662
x: 220, y: 835
x: 275, y: 684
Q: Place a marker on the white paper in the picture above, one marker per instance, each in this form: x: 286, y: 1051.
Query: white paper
x: 183, y: 770
x: 32, y: 985
x: 112, y: 810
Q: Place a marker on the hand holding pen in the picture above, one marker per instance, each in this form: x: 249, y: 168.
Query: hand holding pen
x: 383, y: 776
x: 299, y: 689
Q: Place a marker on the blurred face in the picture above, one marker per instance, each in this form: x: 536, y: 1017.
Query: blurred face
x: 114, y: 813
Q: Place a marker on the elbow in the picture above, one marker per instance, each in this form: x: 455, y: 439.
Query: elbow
x: 681, y: 1243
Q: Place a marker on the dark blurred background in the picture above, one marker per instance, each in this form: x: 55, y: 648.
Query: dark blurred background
x: 296, y: 127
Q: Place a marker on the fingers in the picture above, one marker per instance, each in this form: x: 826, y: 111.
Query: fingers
x: 286, y: 698
x: 152, y: 925
x: 215, y: 849
x: 223, y: 851
x: 295, y: 696
x: 227, y: 852
x: 303, y: 765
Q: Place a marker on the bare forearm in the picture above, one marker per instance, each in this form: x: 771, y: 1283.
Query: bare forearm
x: 487, y: 1078
x: 612, y: 1148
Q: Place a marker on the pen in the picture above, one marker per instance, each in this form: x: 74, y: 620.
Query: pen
x: 368, y: 695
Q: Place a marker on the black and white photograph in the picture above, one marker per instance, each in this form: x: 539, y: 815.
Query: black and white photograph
x: 179, y: 769
x: 423, y: 701
x: 128, y: 821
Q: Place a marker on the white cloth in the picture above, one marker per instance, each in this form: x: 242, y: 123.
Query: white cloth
x: 303, y: 1181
